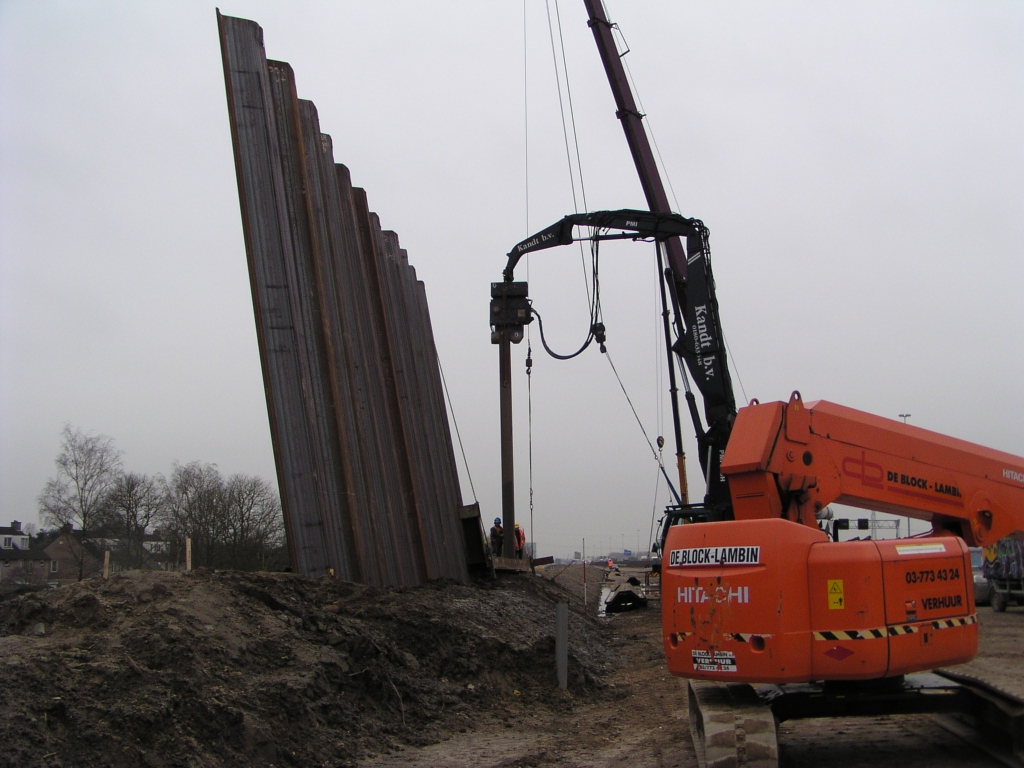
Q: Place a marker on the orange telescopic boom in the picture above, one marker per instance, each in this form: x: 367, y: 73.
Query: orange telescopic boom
x: 767, y: 597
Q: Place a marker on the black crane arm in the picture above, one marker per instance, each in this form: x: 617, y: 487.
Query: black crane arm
x: 700, y: 342
x: 642, y: 225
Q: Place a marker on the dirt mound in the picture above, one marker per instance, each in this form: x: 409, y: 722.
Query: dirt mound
x: 208, y: 669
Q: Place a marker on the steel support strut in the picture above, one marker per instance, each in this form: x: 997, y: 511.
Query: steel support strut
x: 508, y: 491
x: 510, y: 314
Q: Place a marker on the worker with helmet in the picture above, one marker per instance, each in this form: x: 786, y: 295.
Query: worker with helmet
x: 520, y: 541
x: 497, y: 537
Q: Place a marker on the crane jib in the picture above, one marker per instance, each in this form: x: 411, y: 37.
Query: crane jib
x: 645, y: 225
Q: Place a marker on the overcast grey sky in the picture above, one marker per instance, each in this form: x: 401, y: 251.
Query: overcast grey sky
x: 860, y: 166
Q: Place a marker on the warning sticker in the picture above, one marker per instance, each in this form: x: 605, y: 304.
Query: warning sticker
x: 921, y: 549
x: 713, y: 661
x: 836, y: 600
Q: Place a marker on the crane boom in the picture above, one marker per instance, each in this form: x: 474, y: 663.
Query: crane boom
x: 700, y: 342
x: 806, y: 456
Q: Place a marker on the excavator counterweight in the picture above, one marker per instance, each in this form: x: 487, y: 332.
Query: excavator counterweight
x: 772, y: 601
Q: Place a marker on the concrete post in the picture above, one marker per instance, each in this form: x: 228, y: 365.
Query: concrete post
x: 562, y: 644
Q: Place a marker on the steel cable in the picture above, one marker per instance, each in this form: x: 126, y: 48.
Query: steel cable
x: 458, y: 434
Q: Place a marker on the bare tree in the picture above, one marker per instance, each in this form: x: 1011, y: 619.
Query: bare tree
x: 87, y: 467
x: 255, y: 523
x: 193, y: 508
x: 233, y: 524
x: 135, y: 506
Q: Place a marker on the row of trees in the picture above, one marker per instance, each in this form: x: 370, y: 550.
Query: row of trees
x: 234, y: 522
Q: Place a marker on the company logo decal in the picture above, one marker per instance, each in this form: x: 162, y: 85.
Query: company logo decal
x: 873, y: 475
x: 869, y: 473
x: 679, y: 558
x: 720, y: 595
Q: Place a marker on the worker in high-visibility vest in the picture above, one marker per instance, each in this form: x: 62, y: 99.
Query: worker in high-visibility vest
x: 520, y: 541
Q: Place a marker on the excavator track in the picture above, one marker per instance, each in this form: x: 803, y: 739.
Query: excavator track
x: 731, y: 726
x: 734, y: 724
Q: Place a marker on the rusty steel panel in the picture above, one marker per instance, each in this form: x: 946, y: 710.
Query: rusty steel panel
x: 268, y: 249
x: 391, y: 352
x: 418, y: 379
x: 359, y: 426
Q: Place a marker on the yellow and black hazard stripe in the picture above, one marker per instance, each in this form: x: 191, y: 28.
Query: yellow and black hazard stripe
x: 743, y: 637
x: 851, y: 634
x: 904, y: 629
x: 875, y: 633
x: 739, y: 637
x: 894, y: 629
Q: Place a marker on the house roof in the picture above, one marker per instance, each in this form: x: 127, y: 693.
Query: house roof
x: 58, y: 545
x: 35, y: 553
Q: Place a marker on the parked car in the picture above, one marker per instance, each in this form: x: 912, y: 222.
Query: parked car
x: 981, y: 587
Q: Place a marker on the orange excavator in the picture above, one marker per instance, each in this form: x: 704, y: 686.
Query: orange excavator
x: 768, y: 598
x: 754, y: 588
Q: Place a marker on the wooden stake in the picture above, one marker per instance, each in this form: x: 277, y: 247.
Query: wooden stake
x: 584, y: 578
x: 106, y: 564
x: 562, y: 644
x: 188, y: 554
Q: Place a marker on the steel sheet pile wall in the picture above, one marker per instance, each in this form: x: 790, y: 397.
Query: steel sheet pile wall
x: 364, y: 454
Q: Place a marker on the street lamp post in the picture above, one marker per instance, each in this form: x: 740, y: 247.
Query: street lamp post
x: 905, y: 416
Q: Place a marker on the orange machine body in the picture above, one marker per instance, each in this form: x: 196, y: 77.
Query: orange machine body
x: 767, y: 597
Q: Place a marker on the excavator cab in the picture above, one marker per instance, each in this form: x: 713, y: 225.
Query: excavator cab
x: 685, y: 514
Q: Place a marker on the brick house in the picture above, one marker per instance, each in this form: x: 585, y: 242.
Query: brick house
x: 73, y: 557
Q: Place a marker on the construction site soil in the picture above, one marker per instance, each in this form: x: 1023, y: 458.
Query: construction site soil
x: 238, y: 669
